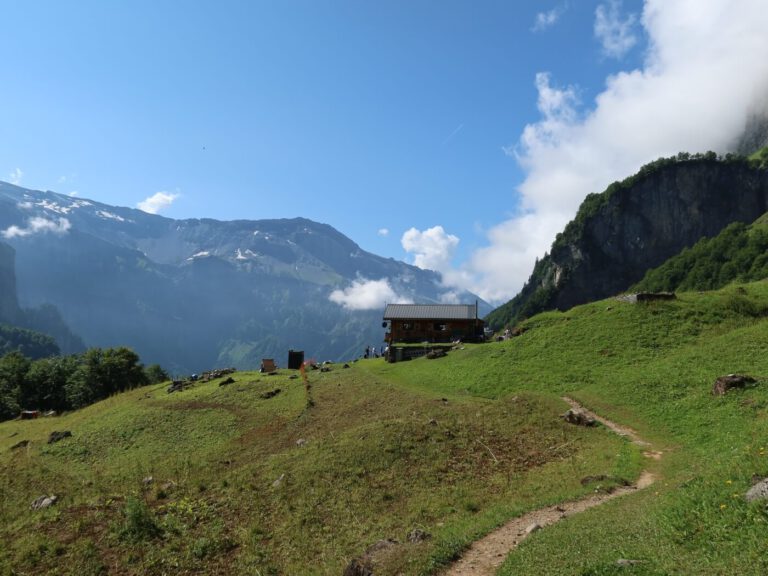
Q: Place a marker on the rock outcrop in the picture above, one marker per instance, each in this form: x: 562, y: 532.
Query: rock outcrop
x: 636, y: 225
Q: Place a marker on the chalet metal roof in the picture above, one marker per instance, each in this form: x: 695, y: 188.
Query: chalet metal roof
x: 430, y: 312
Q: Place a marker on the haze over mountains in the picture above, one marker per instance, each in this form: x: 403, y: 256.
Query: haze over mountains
x: 194, y: 294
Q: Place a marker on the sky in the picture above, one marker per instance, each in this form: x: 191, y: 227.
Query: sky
x: 456, y: 135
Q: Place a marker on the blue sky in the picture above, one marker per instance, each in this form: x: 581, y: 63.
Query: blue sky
x: 365, y: 115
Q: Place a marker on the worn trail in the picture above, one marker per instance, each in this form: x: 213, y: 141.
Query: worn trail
x: 486, y: 555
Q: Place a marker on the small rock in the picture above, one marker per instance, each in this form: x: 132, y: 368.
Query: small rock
x: 21, y: 444
x: 758, y: 492
x: 147, y: 480
x: 357, y: 568
x: 532, y: 528
x: 43, y: 502
x: 365, y: 564
x: 176, y: 386
x: 229, y: 380
x: 418, y: 535
x: 432, y: 422
x: 293, y: 377
x: 301, y: 442
x: 730, y: 381
x: 56, y: 436
x: 578, y: 418
x: 345, y: 365
x: 270, y: 394
x: 325, y: 369
x: 169, y: 485
x: 624, y: 562
x: 278, y: 482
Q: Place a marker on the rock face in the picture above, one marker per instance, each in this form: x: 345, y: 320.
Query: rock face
x: 636, y: 225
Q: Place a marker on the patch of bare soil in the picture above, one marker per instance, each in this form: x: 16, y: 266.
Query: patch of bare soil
x: 486, y: 555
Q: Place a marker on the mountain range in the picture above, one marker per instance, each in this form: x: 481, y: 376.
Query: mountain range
x: 199, y: 293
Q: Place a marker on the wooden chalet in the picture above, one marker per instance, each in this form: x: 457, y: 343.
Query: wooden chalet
x: 432, y: 323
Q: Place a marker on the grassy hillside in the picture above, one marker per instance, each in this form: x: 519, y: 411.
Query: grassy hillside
x: 453, y: 446
x: 379, y: 459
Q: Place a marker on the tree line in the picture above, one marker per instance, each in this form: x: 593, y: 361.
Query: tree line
x: 69, y: 382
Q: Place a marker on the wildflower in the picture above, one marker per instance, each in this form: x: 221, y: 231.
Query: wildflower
x: 723, y: 506
x: 729, y: 481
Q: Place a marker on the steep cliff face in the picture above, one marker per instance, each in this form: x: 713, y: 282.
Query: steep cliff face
x: 636, y: 225
x: 9, y: 304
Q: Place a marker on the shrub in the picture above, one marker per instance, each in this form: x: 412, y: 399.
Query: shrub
x: 139, y: 523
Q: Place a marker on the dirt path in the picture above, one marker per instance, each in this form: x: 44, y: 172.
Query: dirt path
x: 486, y: 555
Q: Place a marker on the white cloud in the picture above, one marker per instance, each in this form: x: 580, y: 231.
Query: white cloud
x: 365, y: 294
x: 615, y: 33
x: 383, y: 232
x: 432, y: 249
x: 701, y: 81
x: 157, y: 202
x: 548, y: 19
x: 38, y: 225
x: 15, y: 176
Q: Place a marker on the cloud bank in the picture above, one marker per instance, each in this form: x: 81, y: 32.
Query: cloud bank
x: 432, y: 249
x: 365, y: 294
x: 704, y: 75
x: 157, y: 202
x: 38, y: 225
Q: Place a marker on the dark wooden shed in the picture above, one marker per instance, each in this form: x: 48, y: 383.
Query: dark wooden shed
x: 432, y: 323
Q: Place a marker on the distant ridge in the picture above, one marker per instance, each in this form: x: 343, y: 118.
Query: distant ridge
x: 196, y: 294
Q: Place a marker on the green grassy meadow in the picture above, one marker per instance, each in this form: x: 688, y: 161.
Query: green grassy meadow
x: 453, y: 446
